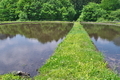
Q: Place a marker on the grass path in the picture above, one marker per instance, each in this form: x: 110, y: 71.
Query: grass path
x: 76, y: 58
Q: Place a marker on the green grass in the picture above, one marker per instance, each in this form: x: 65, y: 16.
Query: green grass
x: 11, y: 76
x: 3, y: 22
x: 76, y: 58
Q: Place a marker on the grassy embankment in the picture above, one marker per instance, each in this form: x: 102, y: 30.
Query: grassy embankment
x: 76, y: 58
x: 13, y: 22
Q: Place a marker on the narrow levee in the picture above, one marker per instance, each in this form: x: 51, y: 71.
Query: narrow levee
x: 76, y: 58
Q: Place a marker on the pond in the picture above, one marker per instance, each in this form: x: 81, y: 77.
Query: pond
x: 107, y: 40
x: 26, y: 46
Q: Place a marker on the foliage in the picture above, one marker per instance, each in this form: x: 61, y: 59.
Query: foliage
x: 69, y: 10
x: 92, y: 12
x: 78, y: 5
x: 11, y: 10
x: 105, y: 11
x: 8, y: 10
x: 114, y: 15
x: 57, y: 10
x: 110, y: 4
x: 47, y: 12
x: 30, y: 10
x: 23, y: 16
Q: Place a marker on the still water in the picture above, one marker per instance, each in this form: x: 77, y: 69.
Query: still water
x: 107, y: 40
x: 26, y: 46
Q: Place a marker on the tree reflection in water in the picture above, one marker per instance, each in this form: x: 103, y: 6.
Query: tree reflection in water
x: 107, y: 40
x: 26, y: 46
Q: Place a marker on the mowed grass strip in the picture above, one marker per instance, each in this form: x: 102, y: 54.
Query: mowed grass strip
x: 76, y: 58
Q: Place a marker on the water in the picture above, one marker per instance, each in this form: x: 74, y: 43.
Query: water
x: 26, y: 46
x: 107, y: 40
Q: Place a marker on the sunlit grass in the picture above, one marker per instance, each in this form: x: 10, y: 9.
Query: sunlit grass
x: 76, y: 58
x: 11, y: 76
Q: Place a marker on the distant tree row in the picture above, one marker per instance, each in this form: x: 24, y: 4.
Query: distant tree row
x: 67, y: 10
x: 78, y: 5
x: 107, y: 10
x: 12, y: 10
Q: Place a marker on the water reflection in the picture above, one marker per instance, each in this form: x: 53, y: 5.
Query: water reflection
x: 4, y: 36
x: 27, y: 46
x: 43, y: 32
x: 107, y: 40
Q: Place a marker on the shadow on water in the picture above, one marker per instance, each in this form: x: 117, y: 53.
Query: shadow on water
x: 107, y: 40
x: 26, y: 46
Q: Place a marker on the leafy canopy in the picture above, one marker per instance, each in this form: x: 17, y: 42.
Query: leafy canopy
x: 91, y: 12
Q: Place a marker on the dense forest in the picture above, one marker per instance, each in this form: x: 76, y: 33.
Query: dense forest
x: 62, y: 10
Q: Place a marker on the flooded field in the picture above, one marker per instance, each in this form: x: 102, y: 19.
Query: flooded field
x: 107, y: 40
x: 26, y: 46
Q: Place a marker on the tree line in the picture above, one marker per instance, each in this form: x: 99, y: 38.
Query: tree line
x: 63, y: 10
x: 107, y: 10
x: 12, y: 10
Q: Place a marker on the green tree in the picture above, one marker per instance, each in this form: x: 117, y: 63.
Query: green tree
x: 47, y: 12
x: 57, y: 10
x: 23, y: 16
x: 78, y: 4
x: 36, y: 10
x: 8, y: 10
x: 30, y: 10
x: 114, y: 15
x: 110, y: 4
x: 92, y: 12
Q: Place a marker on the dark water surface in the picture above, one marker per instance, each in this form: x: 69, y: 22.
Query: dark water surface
x: 107, y: 40
x: 26, y: 46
